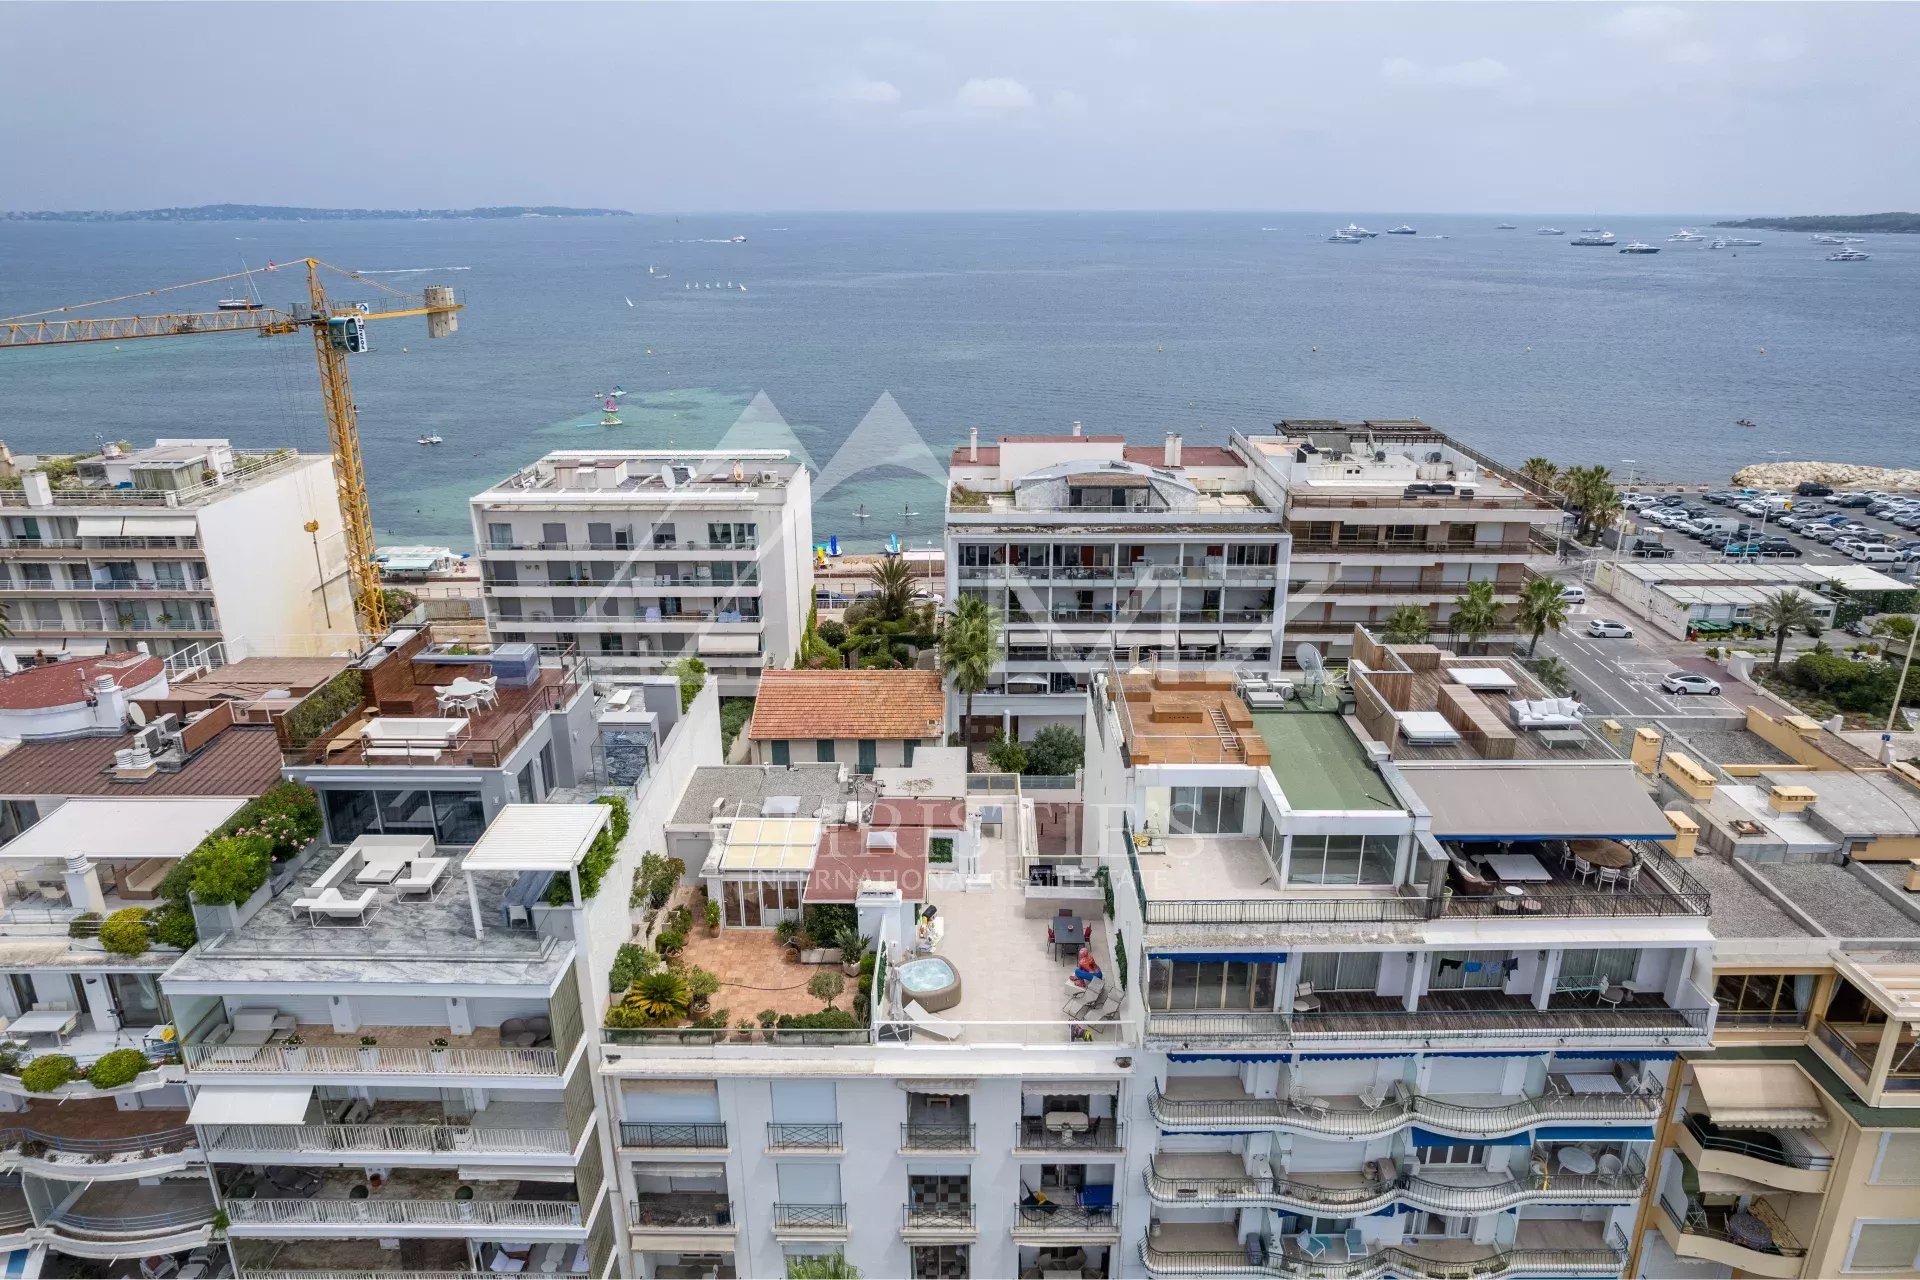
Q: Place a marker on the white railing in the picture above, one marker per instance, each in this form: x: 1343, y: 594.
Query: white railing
x: 408, y: 1139
x: 355, y: 1213
x: 332, y: 1060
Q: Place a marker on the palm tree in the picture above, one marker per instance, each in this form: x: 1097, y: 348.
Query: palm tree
x: 970, y: 647
x: 1407, y: 625
x: 1543, y: 607
x: 1590, y: 490
x: 893, y: 582
x: 821, y: 1266
x: 1475, y: 613
x: 1542, y: 471
x: 1782, y: 612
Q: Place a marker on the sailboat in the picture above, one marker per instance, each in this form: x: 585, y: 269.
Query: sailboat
x: 429, y: 439
x: 618, y: 391
x: 610, y: 418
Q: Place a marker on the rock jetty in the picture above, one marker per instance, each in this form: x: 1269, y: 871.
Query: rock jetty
x: 1841, y: 475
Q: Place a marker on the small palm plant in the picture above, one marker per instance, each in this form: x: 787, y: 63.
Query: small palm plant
x: 660, y: 996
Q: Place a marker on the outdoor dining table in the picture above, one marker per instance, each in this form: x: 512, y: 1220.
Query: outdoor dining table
x: 1744, y: 1228
x: 1069, y: 932
x: 1603, y: 853
x: 1592, y: 1082
x: 1518, y: 866
x: 1574, y: 1160
x: 54, y: 1022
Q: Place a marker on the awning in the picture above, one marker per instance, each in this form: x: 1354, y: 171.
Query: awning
x: 1355, y: 1057
x: 408, y: 564
x: 1428, y: 1138
x: 1612, y: 1055
x: 730, y: 644
x: 518, y: 1173
x: 1594, y: 1133
x: 1242, y: 957
x: 1050, y: 1088
x: 100, y: 526
x: 1538, y: 802
x: 1015, y: 637
x: 1234, y: 1057
x: 237, y: 1104
x: 937, y: 1084
x: 161, y: 526
x: 1758, y: 1095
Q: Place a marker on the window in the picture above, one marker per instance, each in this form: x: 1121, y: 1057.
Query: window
x: 524, y: 784
x: 1616, y: 964
x: 823, y: 750
x: 1208, y: 810
x: 450, y: 817
x: 405, y: 812
x: 780, y: 753
x: 1210, y: 984
x: 1454, y: 1155
x: 458, y: 817
x: 723, y: 534
x: 1884, y: 1246
x: 1343, y: 859
x: 869, y: 755
x: 1898, y: 1164
x: 1763, y: 999
x: 350, y: 815
x: 1342, y: 970
x: 664, y: 537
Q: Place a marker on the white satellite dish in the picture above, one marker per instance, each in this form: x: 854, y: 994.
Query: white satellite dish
x: 1307, y: 657
x: 137, y: 715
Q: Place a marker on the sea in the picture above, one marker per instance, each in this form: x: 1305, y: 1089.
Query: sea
x: 792, y: 330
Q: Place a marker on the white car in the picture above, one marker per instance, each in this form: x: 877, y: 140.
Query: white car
x: 1606, y: 629
x: 1847, y: 544
x: 1688, y: 682
x: 1874, y: 553
x: 1574, y: 594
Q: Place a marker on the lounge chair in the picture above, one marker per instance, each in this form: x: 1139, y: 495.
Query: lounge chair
x: 334, y: 905
x: 1308, y: 1103
x: 939, y: 1028
x: 1094, y: 1002
x: 1356, y: 1243
x: 1311, y: 1245
x: 424, y: 876
x: 1371, y: 1098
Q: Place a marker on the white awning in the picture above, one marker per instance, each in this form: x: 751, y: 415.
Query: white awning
x: 100, y: 526
x: 1758, y: 1095
x: 516, y: 1173
x: 536, y: 837
x: 148, y: 827
x: 1026, y: 637
x: 236, y: 1104
x: 161, y: 527
x: 1055, y: 1088
x: 729, y: 644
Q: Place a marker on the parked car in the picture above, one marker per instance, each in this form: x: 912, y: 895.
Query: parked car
x: 1718, y: 499
x: 1689, y: 682
x: 1826, y: 535
x: 1574, y: 593
x: 1812, y: 489
x: 1874, y: 553
x: 1852, y: 500
x: 1648, y: 550
x: 1607, y: 629
x: 1846, y: 543
x: 1785, y: 551
x: 1738, y: 550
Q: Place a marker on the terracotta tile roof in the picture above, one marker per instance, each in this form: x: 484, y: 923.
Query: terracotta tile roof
x: 947, y: 815
x: 848, y: 704
x: 843, y: 860
x: 61, y: 684
x: 238, y: 762
x: 1191, y: 455
x: 989, y: 456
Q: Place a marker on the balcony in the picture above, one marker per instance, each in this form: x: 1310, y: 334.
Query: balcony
x: 653, y: 1137
x: 935, y: 1136
x: 1065, y: 1223
x: 162, y: 546
x: 1753, y: 1154
x: 1203, y: 1179
x: 810, y: 1222
x: 1755, y: 1241
x: 938, y: 1222
x: 680, y: 1212
x: 126, y: 587
x: 442, y: 1142
x: 1214, y: 1249
x: 139, y: 1216
x: 394, y: 1056
x: 825, y: 1138
x: 89, y: 1139
x: 1103, y: 1135
x: 1469, y: 1017
x: 1178, y: 1109
x: 407, y: 1202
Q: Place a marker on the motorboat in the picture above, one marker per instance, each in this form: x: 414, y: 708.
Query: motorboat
x: 1402, y: 230
x: 1358, y: 232
x: 1823, y: 238
x: 1640, y: 246
x: 1591, y: 231
x: 238, y: 304
x: 1684, y: 235
x: 433, y: 439
x: 1593, y: 239
x: 1848, y: 254
x: 1504, y: 226
x: 1549, y: 231
x: 1341, y: 237
x: 1733, y: 242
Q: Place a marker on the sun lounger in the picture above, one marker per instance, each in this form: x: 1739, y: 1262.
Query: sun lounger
x: 335, y: 905
x: 939, y: 1028
x: 423, y: 876
x: 1093, y: 1003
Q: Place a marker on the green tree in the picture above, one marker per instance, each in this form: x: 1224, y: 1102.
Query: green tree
x: 1591, y: 491
x: 1552, y: 673
x: 970, y: 646
x: 1542, y: 471
x: 1055, y: 751
x: 1542, y: 608
x: 821, y: 1266
x: 892, y: 581
x: 1006, y: 754
x: 826, y: 986
x: 1781, y: 612
x: 1895, y: 626
x: 1407, y: 624
x: 1475, y: 614
x: 693, y: 678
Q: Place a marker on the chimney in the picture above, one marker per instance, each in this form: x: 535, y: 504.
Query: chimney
x: 109, y: 705
x: 1076, y: 426
x: 38, y: 488
x: 1171, y: 455
x: 973, y: 444
x: 1176, y: 448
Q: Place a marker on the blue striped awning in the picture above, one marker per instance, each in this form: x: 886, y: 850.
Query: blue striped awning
x: 1228, y: 1057
x: 1594, y: 1133
x: 1242, y: 957
x: 1501, y: 1053
x: 1428, y: 1138
x: 1615, y: 1055
x: 1353, y: 1057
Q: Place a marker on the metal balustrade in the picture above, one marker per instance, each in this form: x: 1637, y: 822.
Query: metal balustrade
x: 1525, y: 1025
x: 680, y: 1211
x: 1037, y: 1219
x: 916, y: 1135
x: 1462, y: 1119
x: 134, y: 1224
x: 179, y: 1137
x: 803, y: 1137
x: 345, y: 1060
x: 1394, y: 1260
x: 937, y: 1217
x: 672, y: 1135
x: 382, y: 1139
x: 810, y: 1217
x: 1712, y: 1139
x: 1102, y: 1134
x: 378, y: 1212
x: 1370, y: 1192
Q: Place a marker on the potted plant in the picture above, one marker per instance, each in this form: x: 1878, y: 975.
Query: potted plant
x: 702, y: 985
x: 713, y: 917
x: 295, y: 1051
x: 852, y: 946
x: 437, y: 1052
x: 369, y: 1054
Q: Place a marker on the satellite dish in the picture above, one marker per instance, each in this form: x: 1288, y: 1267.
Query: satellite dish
x: 137, y: 715
x: 1308, y: 659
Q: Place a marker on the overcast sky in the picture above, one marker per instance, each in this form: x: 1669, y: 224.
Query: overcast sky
x: 1783, y: 108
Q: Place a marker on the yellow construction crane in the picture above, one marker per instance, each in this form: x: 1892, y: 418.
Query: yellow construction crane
x: 339, y: 329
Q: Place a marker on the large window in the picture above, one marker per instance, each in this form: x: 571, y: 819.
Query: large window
x: 1342, y: 970
x: 1613, y: 964
x: 1205, y: 811
x: 1763, y: 999
x: 1238, y: 985
x: 1341, y: 859
x: 1884, y: 1246
x: 1468, y: 971
x: 450, y: 817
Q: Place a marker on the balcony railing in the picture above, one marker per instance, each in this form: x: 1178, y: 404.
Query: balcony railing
x: 1734, y: 1019
x: 1038, y: 1219
x: 1526, y: 1025
x: 133, y: 1224
x: 1711, y: 1138
x: 384, y: 1139
x: 1436, y: 1113
x: 827, y: 1219
x: 704, y: 1036
x: 1393, y: 1260
x: 1692, y: 1219
x: 115, y: 543
x: 1831, y: 1037
x: 1367, y: 1193
x: 643, y: 548
x: 937, y: 1217
x: 680, y: 1211
x: 917, y: 1135
x: 177, y: 1137
x: 220, y: 1059
x: 127, y: 586
x: 803, y: 1137
x: 375, y: 1211
x: 1103, y: 1134
x: 673, y: 1135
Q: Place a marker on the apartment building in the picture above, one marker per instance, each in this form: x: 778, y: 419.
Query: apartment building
x: 1385, y: 514
x: 970, y: 1122
x: 638, y: 558
x: 176, y: 547
x: 1392, y: 1024
x: 1096, y: 551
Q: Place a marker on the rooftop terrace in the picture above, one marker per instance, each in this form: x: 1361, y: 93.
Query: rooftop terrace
x: 170, y: 475
x: 1320, y: 764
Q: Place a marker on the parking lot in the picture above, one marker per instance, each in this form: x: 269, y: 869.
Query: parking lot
x: 1621, y: 675
x: 1811, y: 551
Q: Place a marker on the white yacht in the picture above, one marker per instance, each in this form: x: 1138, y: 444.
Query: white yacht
x: 1640, y: 246
x: 1341, y: 237
x: 1358, y: 232
x: 1549, y: 231
x: 1733, y: 242
x: 1848, y: 254
x: 1593, y: 239
x: 1824, y: 238
x: 1504, y: 226
x: 1685, y: 235
x: 1402, y: 230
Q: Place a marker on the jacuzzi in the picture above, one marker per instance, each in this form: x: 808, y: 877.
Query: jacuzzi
x: 931, y: 981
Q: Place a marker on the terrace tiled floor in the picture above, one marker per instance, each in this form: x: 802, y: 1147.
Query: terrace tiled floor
x: 94, y: 1118
x: 755, y: 973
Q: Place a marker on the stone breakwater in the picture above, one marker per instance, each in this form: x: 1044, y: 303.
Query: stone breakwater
x: 1841, y: 475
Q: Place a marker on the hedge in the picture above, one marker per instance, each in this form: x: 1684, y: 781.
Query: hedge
x: 115, y: 1068
x: 325, y: 707
x: 47, y: 1073
x: 599, y: 859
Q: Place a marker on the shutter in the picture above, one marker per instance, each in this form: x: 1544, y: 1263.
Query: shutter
x: 804, y: 1102
x: 1900, y: 1161
x: 1885, y: 1246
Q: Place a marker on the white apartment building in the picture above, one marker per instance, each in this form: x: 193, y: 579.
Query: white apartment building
x: 1384, y: 514
x: 177, y: 547
x: 1093, y: 551
x: 641, y: 557
x: 1385, y: 1030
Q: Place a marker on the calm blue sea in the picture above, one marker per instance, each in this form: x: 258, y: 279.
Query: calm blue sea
x: 1137, y: 324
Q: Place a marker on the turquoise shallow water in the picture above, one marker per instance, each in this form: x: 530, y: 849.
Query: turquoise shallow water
x: 1136, y: 324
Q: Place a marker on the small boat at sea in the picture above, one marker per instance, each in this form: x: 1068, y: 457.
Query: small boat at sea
x: 1341, y: 237
x: 1685, y: 235
x: 1848, y: 254
x: 1745, y: 422
x: 1504, y: 226
x: 1640, y: 246
x: 608, y: 417
x: 1549, y: 231
x: 1402, y: 230
x: 1824, y: 238
x: 1593, y: 239
x: 1733, y: 242
x: 432, y: 439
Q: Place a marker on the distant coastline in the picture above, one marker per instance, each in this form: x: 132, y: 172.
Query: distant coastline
x: 1894, y: 222
x: 292, y: 213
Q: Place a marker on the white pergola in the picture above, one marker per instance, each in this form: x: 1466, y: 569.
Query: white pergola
x: 534, y: 837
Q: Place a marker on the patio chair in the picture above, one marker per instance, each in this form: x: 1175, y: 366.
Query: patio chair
x: 1304, y: 1001
x: 939, y: 1028
x: 1308, y: 1103
x: 1356, y: 1242
x: 1611, y: 993
x: 1372, y: 1098
x: 1311, y: 1245
x: 1609, y: 1165
x: 1630, y: 877
x: 1582, y: 869
x: 1607, y: 878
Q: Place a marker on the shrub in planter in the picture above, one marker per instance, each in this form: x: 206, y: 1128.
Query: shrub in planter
x: 713, y: 916
x: 630, y: 963
x: 702, y: 986
x: 660, y: 996
x: 45, y: 1074
x: 622, y: 1016
x: 829, y: 1018
x: 175, y: 928
x: 121, y: 1066
x: 670, y: 944
x: 125, y: 932
x: 84, y: 925
x: 229, y: 870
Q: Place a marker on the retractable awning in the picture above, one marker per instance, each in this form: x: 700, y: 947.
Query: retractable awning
x: 234, y: 1104
x: 729, y: 644
x: 99, y: 526
x: 1538, y: 802
x: 1428, y: 1138
x: 161, y: 527
x: 1758, y: 1095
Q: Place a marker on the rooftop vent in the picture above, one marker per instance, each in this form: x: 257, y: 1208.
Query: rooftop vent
x: 780, y: 807
x: 887, y: 840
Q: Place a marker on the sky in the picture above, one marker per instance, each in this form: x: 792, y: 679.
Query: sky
x: 1460, y: 107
